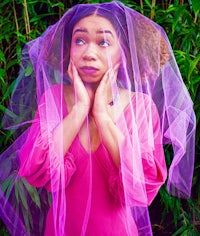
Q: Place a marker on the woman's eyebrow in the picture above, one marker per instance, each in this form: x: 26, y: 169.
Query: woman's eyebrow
x: 105, y: 32
x: 82, y: 30
x: 100, y: 31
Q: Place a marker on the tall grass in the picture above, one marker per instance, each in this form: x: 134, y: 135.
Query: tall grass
x: 23, y: 20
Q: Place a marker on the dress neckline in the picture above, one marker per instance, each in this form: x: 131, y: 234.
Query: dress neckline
x: 117, y: 121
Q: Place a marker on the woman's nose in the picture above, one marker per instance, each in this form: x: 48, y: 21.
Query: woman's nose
x: 90, y: 52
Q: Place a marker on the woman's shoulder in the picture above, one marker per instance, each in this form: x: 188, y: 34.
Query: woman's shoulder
x: 59, y: 92
x: 68, y: 94
x: 136, y: 97
x: 126, y: 96
x: 61, y: 89
x: 139, y: 101
x: 58, y: 88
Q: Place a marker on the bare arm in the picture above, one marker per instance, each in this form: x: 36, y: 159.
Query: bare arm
x: 111, y: 137
x: 110, y: 134
x: 67, y: 130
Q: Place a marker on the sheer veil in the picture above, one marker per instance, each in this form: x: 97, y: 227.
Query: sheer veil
x: 160, y: 112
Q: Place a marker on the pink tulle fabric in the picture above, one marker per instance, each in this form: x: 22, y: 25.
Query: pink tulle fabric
x: 46, y: 192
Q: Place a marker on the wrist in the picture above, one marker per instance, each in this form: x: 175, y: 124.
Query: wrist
x: 80, y: 110
x: 101, y: 118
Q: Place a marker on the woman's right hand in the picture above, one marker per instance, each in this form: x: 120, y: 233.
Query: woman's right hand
x: 82, y: 98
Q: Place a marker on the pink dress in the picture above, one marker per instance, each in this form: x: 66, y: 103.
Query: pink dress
x: 108, y: 213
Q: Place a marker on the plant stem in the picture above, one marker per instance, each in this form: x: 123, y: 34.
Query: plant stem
x: 16, y: 21
x: 26, y: 19
x: 153, y: 3
x: 142, y: 6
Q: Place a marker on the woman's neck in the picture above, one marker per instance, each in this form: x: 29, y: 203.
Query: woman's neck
x: 91, y: 86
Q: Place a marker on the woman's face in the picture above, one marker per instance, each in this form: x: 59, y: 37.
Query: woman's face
x: 95, y: 48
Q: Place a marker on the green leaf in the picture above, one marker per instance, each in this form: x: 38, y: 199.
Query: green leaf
x: 193, y: 65
x: 39, y: 17
x: 2, y: 75
x: 26, y: 219
x: 148, y: 3
x: 33, y: 193
x: 2, y: 57
x: 7, y: 111
x: 16, y: 191
x: 29, y: 70
x: 6, y: 183
x: 8, y: 91
x: 179, y: 11
x: 180, y: 230
x: 196, y: 6
x: 22, y: 194
x: 60, y: 5
x: 12, y: 63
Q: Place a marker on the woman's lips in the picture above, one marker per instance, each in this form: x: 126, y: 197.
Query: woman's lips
x: 89, y: 70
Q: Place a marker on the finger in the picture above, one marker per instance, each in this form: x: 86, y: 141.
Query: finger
x: 115, y: 71
x: 75, y: 71
x: 116, y: 67
x: 107, y: 75
x: 70, y: 70
x: 111, y: 74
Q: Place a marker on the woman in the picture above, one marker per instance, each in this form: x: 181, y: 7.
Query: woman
x: 96, y: 140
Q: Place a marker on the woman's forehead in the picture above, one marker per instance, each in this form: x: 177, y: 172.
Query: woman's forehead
x: 96, y: 23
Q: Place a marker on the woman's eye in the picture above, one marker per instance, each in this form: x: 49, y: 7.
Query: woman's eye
x: 104, y: 43
x: 79, y: 41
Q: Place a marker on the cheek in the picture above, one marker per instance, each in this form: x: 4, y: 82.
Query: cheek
x: 111, y: 58
x: 116, y: 57
x: 74, y: 53
x: 115, y: 54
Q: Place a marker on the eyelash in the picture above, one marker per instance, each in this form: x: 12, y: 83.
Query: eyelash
x: 104, y: 41
x: 80, y: 42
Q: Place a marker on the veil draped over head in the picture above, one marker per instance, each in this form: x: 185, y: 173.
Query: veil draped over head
x: 40, y: 185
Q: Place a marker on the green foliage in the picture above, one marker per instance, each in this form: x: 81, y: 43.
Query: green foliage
x: 23, y: 20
